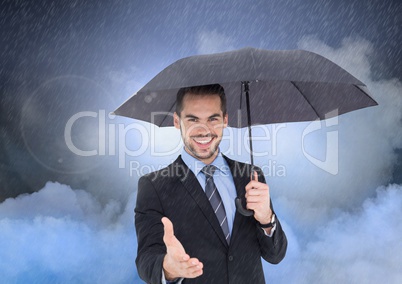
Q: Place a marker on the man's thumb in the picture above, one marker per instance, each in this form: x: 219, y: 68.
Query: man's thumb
x: 254, y: 176
x: 168, y: 227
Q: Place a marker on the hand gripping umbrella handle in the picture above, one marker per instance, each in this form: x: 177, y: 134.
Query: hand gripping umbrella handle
x: 241, y: 209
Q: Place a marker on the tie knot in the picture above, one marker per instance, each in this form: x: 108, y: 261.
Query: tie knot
x: 209, y: 170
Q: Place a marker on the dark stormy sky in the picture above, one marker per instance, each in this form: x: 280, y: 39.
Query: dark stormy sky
x: 69, y: 56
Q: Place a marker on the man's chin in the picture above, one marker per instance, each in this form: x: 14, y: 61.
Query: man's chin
x: 203, y: 155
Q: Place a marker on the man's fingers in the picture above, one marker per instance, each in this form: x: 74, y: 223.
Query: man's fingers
x: 254, y: 199
x: 185, y: 258
x: 194, y: 267
x: 253, y: 190
x: 254, y: 183
x: 194, y: 272
x: 194, y: 262
x: 191, y: 268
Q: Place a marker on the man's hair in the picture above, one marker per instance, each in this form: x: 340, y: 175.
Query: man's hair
x: 204, y: 90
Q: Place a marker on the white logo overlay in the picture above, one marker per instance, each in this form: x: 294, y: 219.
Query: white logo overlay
x: 112, y: 141
x: 330, y: 164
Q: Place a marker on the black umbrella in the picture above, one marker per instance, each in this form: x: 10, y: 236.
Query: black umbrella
x: 278, y: 86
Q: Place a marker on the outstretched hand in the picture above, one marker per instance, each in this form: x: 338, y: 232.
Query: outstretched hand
x: 177, y: 263
x: 258, y: 199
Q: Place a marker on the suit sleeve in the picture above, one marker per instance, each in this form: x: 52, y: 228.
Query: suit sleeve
x: 273, y: 249
x: 149, y: 228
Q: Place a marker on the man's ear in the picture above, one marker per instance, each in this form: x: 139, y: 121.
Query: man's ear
x: 225, y: 120
x: 176, y: 120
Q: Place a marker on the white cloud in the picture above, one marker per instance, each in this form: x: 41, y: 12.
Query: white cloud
x: 359, y: 247
x: 65, y: 236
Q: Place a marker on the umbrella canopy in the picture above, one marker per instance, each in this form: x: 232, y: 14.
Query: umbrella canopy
x: 284, y: 86
x: 261, y: 86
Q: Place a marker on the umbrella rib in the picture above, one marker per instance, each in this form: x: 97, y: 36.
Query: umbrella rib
x: 170, y: 111
x: 294, y: 84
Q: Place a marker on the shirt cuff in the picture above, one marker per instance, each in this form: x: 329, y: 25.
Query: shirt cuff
x: 273, y: 228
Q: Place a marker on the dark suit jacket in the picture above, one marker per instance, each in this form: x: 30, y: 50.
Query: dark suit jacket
x: 174, y: 192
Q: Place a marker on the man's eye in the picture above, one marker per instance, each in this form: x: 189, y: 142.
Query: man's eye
x: 192, y: 120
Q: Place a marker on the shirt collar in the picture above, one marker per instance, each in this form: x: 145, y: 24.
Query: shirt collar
x: 196, y: 165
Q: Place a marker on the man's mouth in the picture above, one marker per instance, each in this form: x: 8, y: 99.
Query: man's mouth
x: 203, y: 141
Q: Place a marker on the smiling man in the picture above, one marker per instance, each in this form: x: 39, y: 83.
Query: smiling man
x: 201, y: 122
x: 186, y: 221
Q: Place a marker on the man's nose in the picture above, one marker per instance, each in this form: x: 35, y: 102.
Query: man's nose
x: 203, y: 128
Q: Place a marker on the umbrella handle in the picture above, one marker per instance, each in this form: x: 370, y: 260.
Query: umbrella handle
x: 241, y: 209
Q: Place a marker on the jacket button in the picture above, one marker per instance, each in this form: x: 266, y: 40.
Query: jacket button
x: 230, y: 258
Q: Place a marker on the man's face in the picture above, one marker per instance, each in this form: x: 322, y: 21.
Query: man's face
x: 201, y: 124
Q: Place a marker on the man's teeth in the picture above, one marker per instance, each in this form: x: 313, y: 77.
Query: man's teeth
x: 203, y: 141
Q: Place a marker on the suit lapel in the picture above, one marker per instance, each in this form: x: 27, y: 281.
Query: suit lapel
x: 241, y: 177
x: 190, y: 182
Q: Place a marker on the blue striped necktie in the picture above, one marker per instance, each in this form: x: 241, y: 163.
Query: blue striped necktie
x: 215, y: 199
